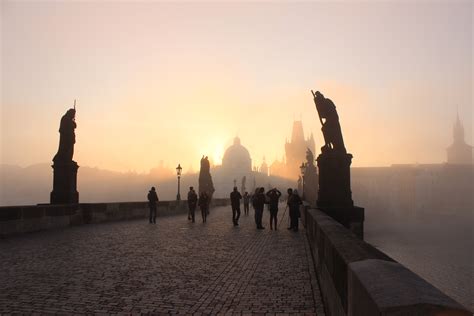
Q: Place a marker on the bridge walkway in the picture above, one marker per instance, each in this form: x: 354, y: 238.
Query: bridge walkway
x: 173, y: 267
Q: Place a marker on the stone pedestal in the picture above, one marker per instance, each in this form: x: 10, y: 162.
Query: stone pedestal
x: 335, y: 195
x: 65, y: 183
x: 334, y: 180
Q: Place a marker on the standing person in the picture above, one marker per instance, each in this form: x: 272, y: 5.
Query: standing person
x: 152, y: 200
x: 204, y: 205
x: 294, y: 202
x: 259, y: 204
x: 235, y: 198
x: 274, y: 197
x: 246, y: 202
x: 192, y: 202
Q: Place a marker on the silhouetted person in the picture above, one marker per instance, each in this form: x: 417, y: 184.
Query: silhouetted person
x: 330, y: 126
x: 204, y: 205
x: 235, y: 198
x: 152, y: 201
x: 192, y: 203
x: 258, y: 203
x: 67, y: 137
x: 274, y: 197
x: 294, y: 202
x: 246, y: 198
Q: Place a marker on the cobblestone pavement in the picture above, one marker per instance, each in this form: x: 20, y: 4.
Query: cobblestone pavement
x: 173, y: 267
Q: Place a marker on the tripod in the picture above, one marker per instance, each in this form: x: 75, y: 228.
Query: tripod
x: 283, y: 216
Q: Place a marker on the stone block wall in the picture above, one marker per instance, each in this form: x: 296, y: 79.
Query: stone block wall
x: 357, y: 279
x: 24, y: 219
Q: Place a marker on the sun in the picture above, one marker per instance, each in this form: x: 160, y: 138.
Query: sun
x: 217, y: 154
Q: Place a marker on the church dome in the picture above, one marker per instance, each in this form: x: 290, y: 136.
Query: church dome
x: 237, y: 158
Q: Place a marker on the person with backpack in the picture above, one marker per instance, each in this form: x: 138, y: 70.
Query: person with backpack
x: 152, y: 201
x: 192, y: 203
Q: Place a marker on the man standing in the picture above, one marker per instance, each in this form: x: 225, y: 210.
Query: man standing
x: 192, y: 202
x: 235, y: 198
x: 294, y: 202
x: 152, y: 201
x: 274, y: 197
x: 246, y: 203
x: 258, y: 202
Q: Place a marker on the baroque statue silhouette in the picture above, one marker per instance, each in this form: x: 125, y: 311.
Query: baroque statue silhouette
x: 65, y: 169
x: 334, y: 195
x: 330, y: 123
x: 67, y: 137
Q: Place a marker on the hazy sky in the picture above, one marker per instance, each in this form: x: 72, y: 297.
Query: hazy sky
x: 173, y: 81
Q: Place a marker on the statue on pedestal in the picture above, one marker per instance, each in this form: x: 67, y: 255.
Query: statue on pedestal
x: 67, y: 137
x: 205, y: 178
x: 334, y: 194
x: 65, y: 169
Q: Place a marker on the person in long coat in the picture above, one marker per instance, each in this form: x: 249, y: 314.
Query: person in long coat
x: 259, y: 204
x: 294, y: 202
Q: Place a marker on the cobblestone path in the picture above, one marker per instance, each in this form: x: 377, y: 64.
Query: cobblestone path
x: 173, y: 267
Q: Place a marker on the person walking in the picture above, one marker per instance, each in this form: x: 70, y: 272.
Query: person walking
x: 152, y: 201
x: 235, y: 198
x: 259, y: 204
x: 294, y: 202
x: 204, y: 205
x: 192, y: 202
x: 274, y: 197
x: 246, y: 199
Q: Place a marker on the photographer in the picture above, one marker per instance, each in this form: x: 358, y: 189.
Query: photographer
x: 274, y: 197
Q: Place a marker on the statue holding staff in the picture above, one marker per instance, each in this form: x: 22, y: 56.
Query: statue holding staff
x: 330, y: 123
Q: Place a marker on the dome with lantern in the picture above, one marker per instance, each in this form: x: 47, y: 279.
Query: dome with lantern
x: 237, y: 158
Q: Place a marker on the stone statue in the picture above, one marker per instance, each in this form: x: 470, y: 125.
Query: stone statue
x: 205, y: 178
x: 330, y: 124
x: 334, y: 196
x: 65, y: 169
x: 242, y: 187
x: 67, y: 137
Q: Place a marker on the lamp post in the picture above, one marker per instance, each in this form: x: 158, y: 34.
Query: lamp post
x: 178, y: 172
x: 303, y: 170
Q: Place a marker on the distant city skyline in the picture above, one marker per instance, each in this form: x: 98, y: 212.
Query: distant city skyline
x: 172, y: 82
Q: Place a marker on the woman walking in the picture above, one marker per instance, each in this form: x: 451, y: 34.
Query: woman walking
x: 204, y: 205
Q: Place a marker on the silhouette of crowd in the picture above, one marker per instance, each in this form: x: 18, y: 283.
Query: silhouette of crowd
x: 258, y: 200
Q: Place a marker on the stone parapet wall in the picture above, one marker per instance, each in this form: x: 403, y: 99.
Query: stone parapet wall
x: 357, y: 279
x: 24, y: 219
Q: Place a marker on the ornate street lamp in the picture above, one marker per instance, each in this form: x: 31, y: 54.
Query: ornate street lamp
x: 178, y: 173
x: 303, y: 170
